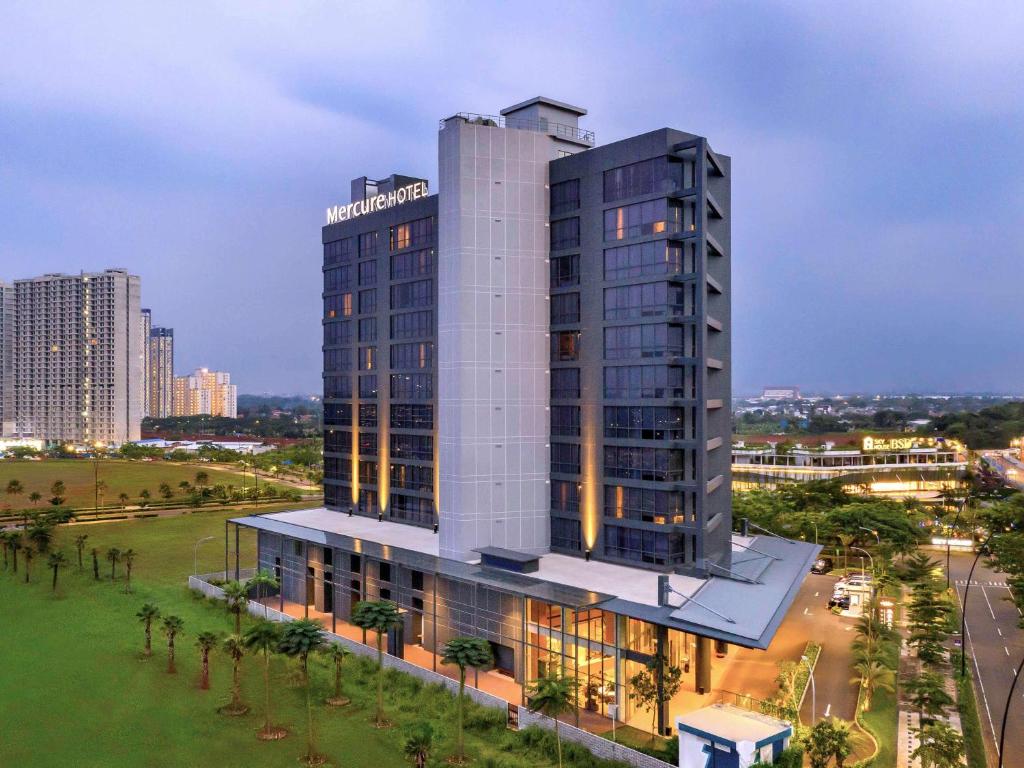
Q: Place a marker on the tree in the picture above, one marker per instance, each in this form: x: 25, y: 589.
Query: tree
x: 379, y: 617
x: 264, y: 636
x: 129, y: 560
x: 829, y: 739
x: 165, y: 492
x: 846, y: 539
x: 15, y: 543
x: 927, y: 692
x: 202, y: 479
x: 40, y: 534
x: 123, y: 498
x: 842, y: 744
x: 234, y: 646
x: 263, y: 580
x: 35, y: 497
x: 113, y: 557
x: 206, y: 642
x: 465, y: 652
x: 147, y: 614
x: 335, y: 654
x: 237, y: 595
x: 14, y: 488
x: 789, y: 672
x: 101, y: 489
x: 940, y: 746
x: 56, y: 561
x: 57, y: 491
x: 553, y: 695
x: 144, y: 494
x: 419, y: 741
x: 80, y: 540
x: 27, y: 551
x: 6, y: 544
x: 95, y: 564
x: 655, y: 685
x: 299, y: 639
x: 873, y: 676
x: 172, y: 625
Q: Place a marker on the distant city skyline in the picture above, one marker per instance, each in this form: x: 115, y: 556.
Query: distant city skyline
x: 877, y: 180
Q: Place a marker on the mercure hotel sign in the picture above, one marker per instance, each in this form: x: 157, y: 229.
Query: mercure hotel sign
x: 405, y: 194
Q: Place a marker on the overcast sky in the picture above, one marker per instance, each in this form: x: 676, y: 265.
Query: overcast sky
x: 878, y: 160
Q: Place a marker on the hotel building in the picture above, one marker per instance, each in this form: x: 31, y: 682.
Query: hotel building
x: 77, y: 358
x: 160, y: 360
x: 205, y: 392
x: 6, y: 359
x: 526, y: 394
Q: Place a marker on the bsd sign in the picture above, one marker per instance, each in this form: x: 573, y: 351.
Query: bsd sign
x: 406, y: 194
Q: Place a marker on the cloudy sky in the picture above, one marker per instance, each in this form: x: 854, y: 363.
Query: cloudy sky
x: 878, y: 160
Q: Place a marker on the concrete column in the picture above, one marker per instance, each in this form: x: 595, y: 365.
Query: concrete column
x: 703, y: 676
x: 662, y: 657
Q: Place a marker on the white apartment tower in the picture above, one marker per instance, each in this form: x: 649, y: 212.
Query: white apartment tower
x: 6, y: 360
x: 78, y: 357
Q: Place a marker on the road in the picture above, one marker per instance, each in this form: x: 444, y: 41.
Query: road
x: 1008, y: 466
x: 997, y: 645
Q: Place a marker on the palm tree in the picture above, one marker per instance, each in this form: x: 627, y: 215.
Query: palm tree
x: 80, y: 540
x: 101, y: 489
x: 144, y: 494
x: 873, y: 676
x: 35, y: 497
x: 940, y: 746
x: 463, y: 652
x: 114, y: 556
x: 28, y: 560
x: 236, y: 595
x: 57, y: 491
x: 14, y: 488
x: 129, y: 560
x: 264, y: 636
x: 123, y: 498
x: 553, y: 695
x: 95, y: 564
x: 846, y: 539
x: 235, y: 648
x: 172, y: 625
x: 419, y: 742
x: 56, y: 561
x: 335, y: 654
x: 40, y: 534
x: 300, y: 638
x: 5, y: 542
x: 165, y: 491
x: 379, y: 617
x: 262, y: 580
x: 206, y: 642
x: 14, y: 542
x: 147, y: 614
x: 202, y: 479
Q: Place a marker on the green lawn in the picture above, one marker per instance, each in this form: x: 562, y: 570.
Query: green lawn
x: 74, y: 692
x: 881, y: 720
x: 974, y: 742
x: 128, y: 477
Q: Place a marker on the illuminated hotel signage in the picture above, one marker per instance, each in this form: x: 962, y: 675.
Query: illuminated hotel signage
x: 406, y: 194
x: 897, y: 443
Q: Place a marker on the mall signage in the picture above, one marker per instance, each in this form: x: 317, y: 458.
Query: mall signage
x: 405, y: 194
x: 897, y: 443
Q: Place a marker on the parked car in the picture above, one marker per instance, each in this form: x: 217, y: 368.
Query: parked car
x: 840, y: 601
x: 860, y: 580
x: 822, y: 565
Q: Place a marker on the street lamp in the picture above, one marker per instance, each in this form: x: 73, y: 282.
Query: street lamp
x: 195, y: 554
x: 949, y: 536
x: 1006, y: 711
x: 870, y: 558
x: 96, y: 475
x: 814, y: 692
x: 874, y: 533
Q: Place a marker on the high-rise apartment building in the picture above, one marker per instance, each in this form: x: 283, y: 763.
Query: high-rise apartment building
x: 147, y: 326
x: 77, y: 359
x: 6, y: 359
x: 205, y: 392
x: 160, y: 359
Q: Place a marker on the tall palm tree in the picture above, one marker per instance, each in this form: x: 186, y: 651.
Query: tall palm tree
x: 95, y: 564
x: 14, y: 488
x: 419, y: 742
x: 15, y: 543
x: 873, y: 676
x: 35, y: 497
x: 129, y: 560
x: 27, y: 551
x: 553, y: 695
x: 56, y: 561
x: 80, y: 540
x: 5, y: 542
x: 335, y: 653
x: 846, y: 539
x: 300, y: 638
x: 465, y: 652
x: 40, y: 534
x: 101, y: 489
x: 235, y: 648
x: 147, y: 614
x: 237, y: 595
x: 206, y: 642
x: 264, y: 636
x: 380, y: 617
x: 263, y: 580
x: 172, y: 625
x: 123, y: 498
x: 114, y: 556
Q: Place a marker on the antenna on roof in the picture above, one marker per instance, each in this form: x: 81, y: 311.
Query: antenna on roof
x: 669, y: 588
x: 734, y: 575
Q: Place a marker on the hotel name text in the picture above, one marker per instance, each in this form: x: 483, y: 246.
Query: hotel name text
x: 406, y: 194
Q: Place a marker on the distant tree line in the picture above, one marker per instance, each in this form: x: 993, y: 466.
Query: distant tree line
x: 991, y: 427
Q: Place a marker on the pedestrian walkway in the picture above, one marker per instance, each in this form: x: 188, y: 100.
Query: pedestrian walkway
x: 906, y: 739
x: 977, y: 583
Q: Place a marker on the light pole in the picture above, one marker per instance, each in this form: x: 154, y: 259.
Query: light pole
x: 195, y: 554
x: 870, y: 558
x: 949, y: 536
x: 874, y: 533
x: 814, y: 692
x: 1006, y: 711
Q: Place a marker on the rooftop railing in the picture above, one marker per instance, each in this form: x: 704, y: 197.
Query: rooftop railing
x: 559, y: 130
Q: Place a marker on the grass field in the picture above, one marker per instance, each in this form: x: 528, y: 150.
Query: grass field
x: 129, y: 477
x: 881, y: 720
x: 74, y: 692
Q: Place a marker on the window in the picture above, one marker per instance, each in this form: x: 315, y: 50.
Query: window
x: 367, y: 329
x: 367, y: 244
x: 633, y: 463
x: 368, y: 415
x: 336, y: 468
x: 337, y: 386
x: 417, y: 355
x: 631, y: 341
x: 644, y: 504
x: 565, y: 345
x: 416, y: 580
x: 565, y: 233
x: 368, y: 387
x: 643, y: 178
x: 645, y: 423
x: 565, y: 534
x: 297, y: 548
x: 409, y: 295
x: 412, y: 416
x: 412, y: 264
x: 337, y: 441
x: 412, y: 386
x: 412, y: 233
x: 412, y: 509
x: 368, y: 475
x: 565, y: 196
x: 354, y: 563
x: 565, y: 270
x: 643, y: 546
x: 338, y: 278
x: 367, y: 358
x: 368, y: 301
x: 565, y: 496
x: 415, y: 447
x: 367, y: 443
x: 642, y: 259
x: 367, y: 272
x: 412, y: 477
x: 339, y: 250
x: 565, y: 458
x: 338, y: 332
x: 338, y: 414
x: 565, y: 420
x: 565, y: 383
x: 650, y: 218
x: 629, y: 302
x: 384, y: 572
x: 338, y: 359
x: 634, y: 382
x: 412, y: 324
x: 338, y: 305
x: 565, y: 308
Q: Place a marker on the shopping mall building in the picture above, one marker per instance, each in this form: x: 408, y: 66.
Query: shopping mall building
x: 527, y: 414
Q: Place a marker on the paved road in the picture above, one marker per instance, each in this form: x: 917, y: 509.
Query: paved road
x: 997, y: 645
x: 1008, y: 466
